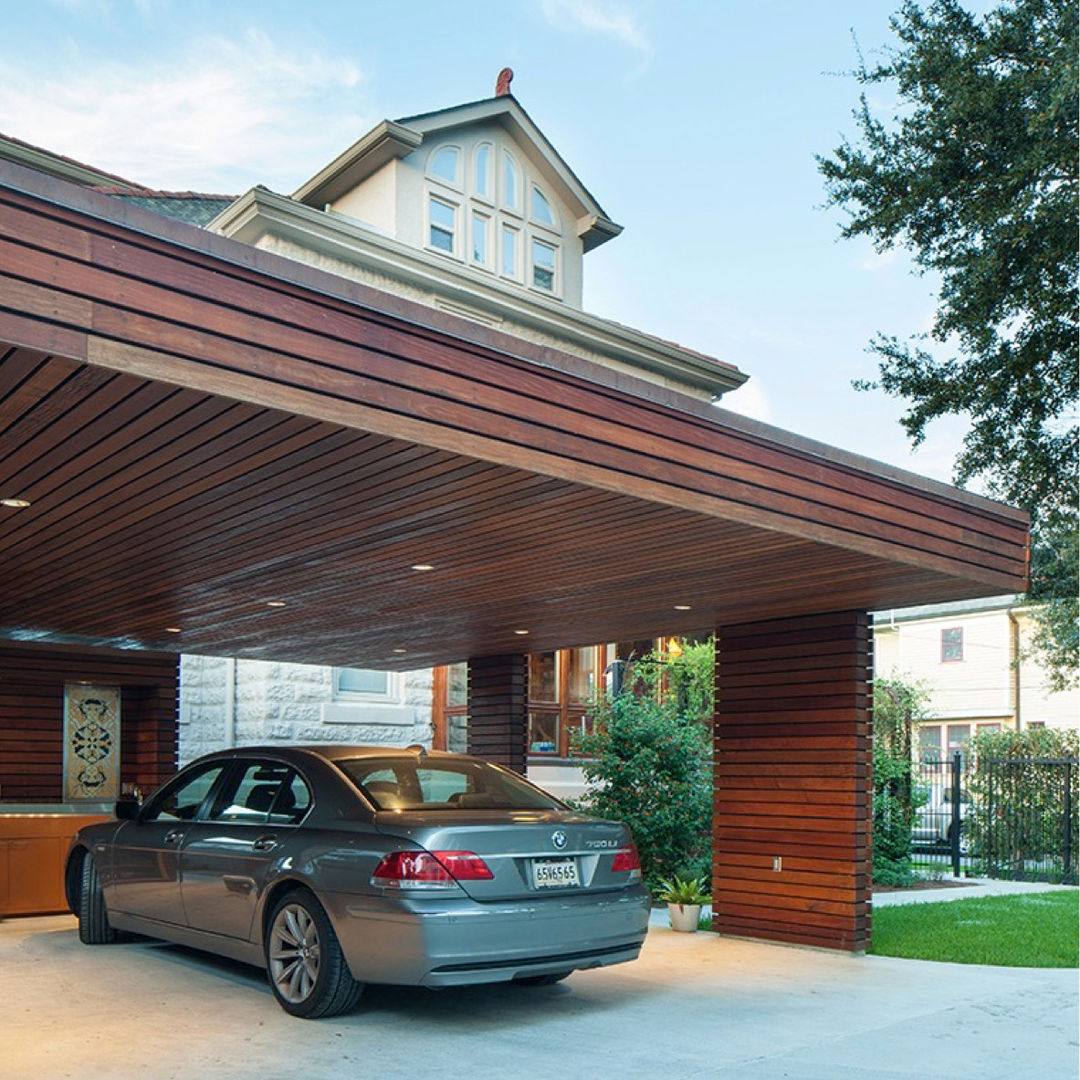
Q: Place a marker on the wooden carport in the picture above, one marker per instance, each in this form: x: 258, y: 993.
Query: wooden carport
x: 202, y: 428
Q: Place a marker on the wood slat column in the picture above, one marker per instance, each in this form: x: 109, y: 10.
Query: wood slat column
x: 791, y: 820
x: 497, y: 713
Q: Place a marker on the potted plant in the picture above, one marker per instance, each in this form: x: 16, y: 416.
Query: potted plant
x: 684, y: 897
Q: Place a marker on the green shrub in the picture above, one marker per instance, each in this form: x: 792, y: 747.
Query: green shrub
x: 648, y: 762
x: 679, y: 890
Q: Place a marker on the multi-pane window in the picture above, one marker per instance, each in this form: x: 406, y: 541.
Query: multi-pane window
x: 543, y: 266
x: 442, y: 220
x: 544, y: 676
x: 952, y: 644
x: 485, y: 208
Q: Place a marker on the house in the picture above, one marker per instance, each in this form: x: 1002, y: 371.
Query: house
x: 974, y: 658
x: 368, y: 428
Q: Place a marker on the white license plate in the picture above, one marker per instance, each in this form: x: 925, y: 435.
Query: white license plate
x: 555, y: 873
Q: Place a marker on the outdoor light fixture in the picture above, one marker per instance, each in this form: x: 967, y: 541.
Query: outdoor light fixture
x: 521, y: 631
x: 173, y: 629
x: 682, y: 607
x: 421, y: 566
x: 15, y: 504
x: 276, y: 603
x: 399, y: 650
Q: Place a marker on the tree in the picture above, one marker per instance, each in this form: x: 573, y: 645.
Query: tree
x: 898, y: 707
x: 975, y: 174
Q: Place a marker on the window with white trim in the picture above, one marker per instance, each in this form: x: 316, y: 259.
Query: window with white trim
x: 486, y: 208
x: 442, y: 224
x: 444, y: 164
x: 364, y: 684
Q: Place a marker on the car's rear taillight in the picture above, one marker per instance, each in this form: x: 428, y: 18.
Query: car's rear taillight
x: 627, y: 861
x: 429, y: 869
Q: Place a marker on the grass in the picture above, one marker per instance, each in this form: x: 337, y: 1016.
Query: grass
x: 1025, y: 930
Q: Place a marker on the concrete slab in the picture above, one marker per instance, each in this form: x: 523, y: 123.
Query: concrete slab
x: 694, y: 1005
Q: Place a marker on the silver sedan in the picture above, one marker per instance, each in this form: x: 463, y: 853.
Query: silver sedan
x: 336, y: 866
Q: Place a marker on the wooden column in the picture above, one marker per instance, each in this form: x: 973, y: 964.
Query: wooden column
x: 497, y: 713
x: 791, y: 822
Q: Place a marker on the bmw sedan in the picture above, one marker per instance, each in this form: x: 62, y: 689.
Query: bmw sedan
x: 336, y: 866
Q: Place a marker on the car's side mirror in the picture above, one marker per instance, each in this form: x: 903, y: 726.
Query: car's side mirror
x: 127, y: 809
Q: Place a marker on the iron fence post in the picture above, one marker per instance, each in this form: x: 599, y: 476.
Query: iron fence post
x: 954, y: 828
x: 1067, y: 854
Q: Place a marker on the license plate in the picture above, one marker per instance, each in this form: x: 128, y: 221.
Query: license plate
x: 555, y: 873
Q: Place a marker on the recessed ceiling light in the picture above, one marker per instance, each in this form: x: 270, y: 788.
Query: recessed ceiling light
x: 682, y: 607
x: 15, y: 504
x: 521, y: 631
x: 399, y: 650
x: 421, y: 566
x: 276, y: 603
x: 173, y: 630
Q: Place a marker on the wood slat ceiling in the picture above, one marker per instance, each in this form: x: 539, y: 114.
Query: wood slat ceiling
x: 203, y: 428
x: 156, y: 506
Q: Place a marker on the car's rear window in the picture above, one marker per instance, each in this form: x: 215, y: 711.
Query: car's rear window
x: 426, y: 784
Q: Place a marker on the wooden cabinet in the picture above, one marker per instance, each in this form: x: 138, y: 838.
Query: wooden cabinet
x: 33, y: 848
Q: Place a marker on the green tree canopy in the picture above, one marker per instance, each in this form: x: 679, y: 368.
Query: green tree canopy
x: 975, y: 173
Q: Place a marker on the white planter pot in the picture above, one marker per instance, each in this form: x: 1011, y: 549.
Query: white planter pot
x: 684, y: 916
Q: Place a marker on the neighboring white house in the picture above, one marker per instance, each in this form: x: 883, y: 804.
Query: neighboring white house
x: 975, y: 660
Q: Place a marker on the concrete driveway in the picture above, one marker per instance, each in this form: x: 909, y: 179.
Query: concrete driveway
x: 694, y: 1005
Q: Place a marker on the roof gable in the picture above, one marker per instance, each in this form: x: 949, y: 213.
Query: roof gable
x: 396, y: 138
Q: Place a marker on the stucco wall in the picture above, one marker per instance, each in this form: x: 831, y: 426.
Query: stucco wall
x: 292, y: 703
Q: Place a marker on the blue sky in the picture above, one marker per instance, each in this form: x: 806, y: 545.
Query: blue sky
x: 695, y: 125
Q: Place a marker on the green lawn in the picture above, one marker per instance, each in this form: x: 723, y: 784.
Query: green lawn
x: 1026, y: 930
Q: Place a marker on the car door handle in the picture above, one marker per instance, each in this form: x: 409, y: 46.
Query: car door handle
x: 264, y: 843
x: 174, y: 837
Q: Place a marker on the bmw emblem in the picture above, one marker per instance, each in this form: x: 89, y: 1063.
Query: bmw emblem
x: 558, y: 839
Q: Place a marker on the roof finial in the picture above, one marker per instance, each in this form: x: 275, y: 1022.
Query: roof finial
x: 502, y: 83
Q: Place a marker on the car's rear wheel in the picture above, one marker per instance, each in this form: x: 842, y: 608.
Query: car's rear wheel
x: 307, y: 969
x: 94, y: 928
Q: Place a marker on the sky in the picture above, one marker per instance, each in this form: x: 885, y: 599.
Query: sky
x: 694, y: 124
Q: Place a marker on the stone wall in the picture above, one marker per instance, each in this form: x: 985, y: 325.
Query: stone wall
x: 247, y: 702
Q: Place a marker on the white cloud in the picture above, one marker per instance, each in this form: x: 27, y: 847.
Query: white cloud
x: 872, y: 261
x: 596, y: 17
x: 223, y: 114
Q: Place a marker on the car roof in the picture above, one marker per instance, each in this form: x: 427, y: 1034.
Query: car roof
x: 336, y: 751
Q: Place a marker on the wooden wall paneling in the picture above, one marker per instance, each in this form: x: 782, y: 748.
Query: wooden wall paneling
x: 32, y: 679
x: 497, y: 709
x: 792, y: 780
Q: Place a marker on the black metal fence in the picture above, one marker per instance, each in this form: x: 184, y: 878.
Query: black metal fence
x: 1011, y: 818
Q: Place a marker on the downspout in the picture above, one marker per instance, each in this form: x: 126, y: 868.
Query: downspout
x: 230, y: 704
x: 1014, y: 648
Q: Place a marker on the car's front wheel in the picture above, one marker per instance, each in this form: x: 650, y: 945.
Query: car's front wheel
x: 307, y: 969
x: 94, y: 928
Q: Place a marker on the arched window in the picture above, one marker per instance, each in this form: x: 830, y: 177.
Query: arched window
x: 541, y: 209
x: 482, y: 183
x: 511, y: 193
x: 443, y: 164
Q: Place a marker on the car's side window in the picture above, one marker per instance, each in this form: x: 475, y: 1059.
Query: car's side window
x: 181, y: 801
x: 250, y: 793
x: 292, y: 803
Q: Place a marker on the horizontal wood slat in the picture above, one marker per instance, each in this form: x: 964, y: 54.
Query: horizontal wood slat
x: 32, y: 679
x: 791, y: 821
x: 250, y: 427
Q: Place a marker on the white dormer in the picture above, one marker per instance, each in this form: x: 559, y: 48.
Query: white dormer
x: 472, y: 211
x: 478, y: 184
